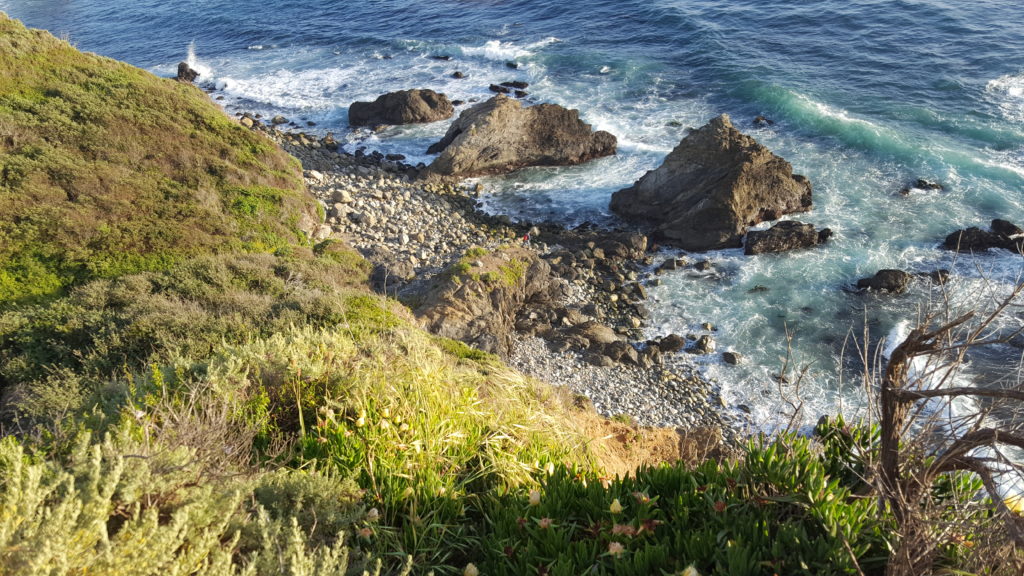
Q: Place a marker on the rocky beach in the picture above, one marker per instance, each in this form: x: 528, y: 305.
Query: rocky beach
x: 414, y: 232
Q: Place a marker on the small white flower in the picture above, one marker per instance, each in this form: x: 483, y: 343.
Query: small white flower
x: 534, y: 497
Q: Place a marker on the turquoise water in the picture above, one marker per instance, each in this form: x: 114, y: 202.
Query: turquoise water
x: 866, y: 95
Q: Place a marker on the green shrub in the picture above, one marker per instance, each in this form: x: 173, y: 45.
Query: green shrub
x: 774, y: 512
x: 127, y: 507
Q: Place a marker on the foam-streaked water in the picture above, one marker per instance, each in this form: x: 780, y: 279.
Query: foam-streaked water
x: 867, y: 96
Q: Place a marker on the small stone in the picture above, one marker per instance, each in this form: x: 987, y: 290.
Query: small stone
x: 705, y: 345
x: 732, y: 358
x: 278, y: 120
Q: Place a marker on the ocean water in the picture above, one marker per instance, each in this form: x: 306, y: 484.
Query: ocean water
x: 866, y: 95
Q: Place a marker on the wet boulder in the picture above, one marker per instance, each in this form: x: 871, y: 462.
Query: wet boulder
x: 1001, y: 234
x: 711, y: 187
x: 888, y: 280
x: 186, y: 73
x: 784, y: 236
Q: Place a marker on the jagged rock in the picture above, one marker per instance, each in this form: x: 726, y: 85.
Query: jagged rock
x: 762, y: 121
x: 895, y: 281
x: 1006, y: 228
x: 501, y: 135
x: 402, y: 107
x: 480, y: 308
x: 1002, y: 234
x: 185, y: 73
x: 499, y: 89
x: 387, y: 278
x: 921, y: 184
x: 786, y: 235
x: 715, y: 184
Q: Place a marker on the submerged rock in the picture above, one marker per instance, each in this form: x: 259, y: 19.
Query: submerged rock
x: 402, y: 107
x: 784, y: 236
x: 501, y: 135
x: 711, y: 187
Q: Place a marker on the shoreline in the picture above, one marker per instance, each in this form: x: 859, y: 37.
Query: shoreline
x: 412, y: 230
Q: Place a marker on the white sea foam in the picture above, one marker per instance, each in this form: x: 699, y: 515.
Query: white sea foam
x: 195, y: 64
x: 1008, y: 93
x: 504, y: 51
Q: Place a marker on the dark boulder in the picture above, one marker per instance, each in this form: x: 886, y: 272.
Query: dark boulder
x: 671, y: 343
x: 786, y: 235
x: 894, y: 281
x: 1002, y: 234
x: 185, y: 73
x: 716, y: 183
x: 501, y: 135
x: 402, y: 107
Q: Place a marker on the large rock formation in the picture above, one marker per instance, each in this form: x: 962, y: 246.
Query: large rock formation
x: 500, y: 135
x: 784, y: 236
x: 715, y: 184
x: 478, y: 299
x: 186, y: 73
x: 402, y: 107
x: 1002, y: 234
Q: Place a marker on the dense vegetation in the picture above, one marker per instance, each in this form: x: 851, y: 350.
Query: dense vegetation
x: 189, y: 386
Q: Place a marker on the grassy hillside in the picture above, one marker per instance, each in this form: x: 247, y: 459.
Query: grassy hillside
x: 188, y: 387
x: 107, y: 169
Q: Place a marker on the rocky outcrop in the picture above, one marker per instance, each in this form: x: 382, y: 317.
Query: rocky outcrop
x: 478, y: 300
x: 784, y: 236
x: 715, y: 184
x: 1001, y: 234
x: 185, y: 73
x: 501, y: 135
x: 402, y: 107
x: 894, y: 281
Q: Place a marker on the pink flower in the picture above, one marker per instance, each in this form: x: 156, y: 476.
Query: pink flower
x: 623, y: 529
x: 544, y: 523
